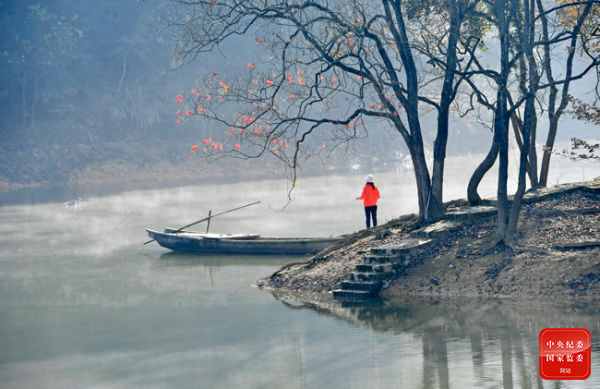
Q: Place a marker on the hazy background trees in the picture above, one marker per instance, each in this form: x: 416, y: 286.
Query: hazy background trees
x: 85, y: 85
x: 89, y: 92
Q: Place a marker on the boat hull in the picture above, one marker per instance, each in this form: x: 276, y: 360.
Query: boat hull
x: 248, y: 244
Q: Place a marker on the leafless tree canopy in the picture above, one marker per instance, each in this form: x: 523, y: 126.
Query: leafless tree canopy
x: 339, y: 69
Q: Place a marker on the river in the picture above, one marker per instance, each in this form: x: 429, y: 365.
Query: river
x: 86, y: 305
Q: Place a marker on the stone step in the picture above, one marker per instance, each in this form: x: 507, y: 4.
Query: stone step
x: 383, y: 259
x: 437, y: 230
x: 405, y: 248
x: 543, y: 194
x: 358, y: 276
x: 375, y: 268
x: 344, y: 294
x: 470, y: 214
x: 364, y: 268
x: 373, y: 286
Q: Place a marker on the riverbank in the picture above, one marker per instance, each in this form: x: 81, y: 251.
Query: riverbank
x: 563, y: 220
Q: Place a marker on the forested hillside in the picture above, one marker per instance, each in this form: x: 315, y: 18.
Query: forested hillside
x: 83, y: 83
x: 88, y: 93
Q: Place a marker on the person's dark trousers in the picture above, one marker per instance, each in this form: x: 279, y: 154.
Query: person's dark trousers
x: 371, y: 213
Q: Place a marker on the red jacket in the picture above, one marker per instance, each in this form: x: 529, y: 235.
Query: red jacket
x: 370, y: 195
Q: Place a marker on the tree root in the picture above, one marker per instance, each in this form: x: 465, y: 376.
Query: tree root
x: 500, y: 244
x: 521, y: 248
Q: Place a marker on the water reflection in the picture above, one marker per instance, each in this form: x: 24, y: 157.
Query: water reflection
x: 85, y: 304
x: 173, y: 258
x: 468, y: 343
x: 210, y: 264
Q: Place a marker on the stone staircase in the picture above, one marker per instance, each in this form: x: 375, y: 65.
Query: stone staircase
x: 385, y: 263
x: 380, y: 267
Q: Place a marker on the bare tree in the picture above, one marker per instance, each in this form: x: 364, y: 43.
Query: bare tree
x: 339, y: 68
x: 581, y: 25
x: 567, y: 34
x: 515, y: 21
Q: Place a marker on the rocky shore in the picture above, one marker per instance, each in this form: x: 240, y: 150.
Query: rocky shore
x: 560, y: 225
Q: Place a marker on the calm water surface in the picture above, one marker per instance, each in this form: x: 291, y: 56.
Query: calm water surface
x: 85, y: 304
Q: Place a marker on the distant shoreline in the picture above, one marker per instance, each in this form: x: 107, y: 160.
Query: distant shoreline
x: 109, y: 180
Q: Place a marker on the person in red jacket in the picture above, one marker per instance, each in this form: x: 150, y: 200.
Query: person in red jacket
x: 370, y: 195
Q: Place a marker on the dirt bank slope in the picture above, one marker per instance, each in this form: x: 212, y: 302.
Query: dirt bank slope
x: 564, y: 221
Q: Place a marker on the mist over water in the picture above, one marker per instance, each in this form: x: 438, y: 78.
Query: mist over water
x: 86, y: 304
x: 89, y: 93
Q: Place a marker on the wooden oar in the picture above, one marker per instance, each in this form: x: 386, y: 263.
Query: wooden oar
x: 209, y: 217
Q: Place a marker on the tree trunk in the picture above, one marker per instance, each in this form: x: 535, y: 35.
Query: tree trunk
x: 522, y: 33
x: 436, y: 207
x: 502, y: 192
x: 517, y: 126
x: 547, y: 153
x: 529, y: 122
x: 414, y: 140
x: 529, y: 119
x: 532, y: 165
x: 423, y: 187
x: 501, y: 122
x: 423, y: 180
x: 482, y: 169
x: 435, y: 204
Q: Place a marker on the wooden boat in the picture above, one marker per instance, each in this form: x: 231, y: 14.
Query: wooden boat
x: 238, y: 244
